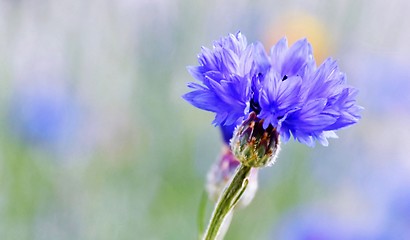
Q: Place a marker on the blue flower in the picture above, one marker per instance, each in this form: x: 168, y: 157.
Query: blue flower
x: 44, y: 117
x: 284, y: 88
x: 310, y: 223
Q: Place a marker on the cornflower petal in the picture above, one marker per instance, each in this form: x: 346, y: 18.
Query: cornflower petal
x: 278, y: 52
x: 296, y: 58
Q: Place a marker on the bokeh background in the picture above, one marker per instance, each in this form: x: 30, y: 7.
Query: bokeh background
x: 96, y: 142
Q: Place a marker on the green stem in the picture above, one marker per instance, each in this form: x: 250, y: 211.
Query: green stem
x: 227, y: 201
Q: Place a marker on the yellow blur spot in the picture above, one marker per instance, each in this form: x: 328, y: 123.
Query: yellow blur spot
x: 297, y: 25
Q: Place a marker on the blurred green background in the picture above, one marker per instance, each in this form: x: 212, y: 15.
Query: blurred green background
x: 96, y: 142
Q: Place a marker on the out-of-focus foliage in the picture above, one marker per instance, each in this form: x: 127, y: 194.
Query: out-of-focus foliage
x: 96, y: 142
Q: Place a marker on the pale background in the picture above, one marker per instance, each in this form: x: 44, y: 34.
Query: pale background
x: 96, y: 142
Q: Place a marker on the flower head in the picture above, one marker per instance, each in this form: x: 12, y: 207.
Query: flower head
x: 285, y: 89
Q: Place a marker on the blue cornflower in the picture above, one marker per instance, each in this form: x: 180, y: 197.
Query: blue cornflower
x: 284, y: 89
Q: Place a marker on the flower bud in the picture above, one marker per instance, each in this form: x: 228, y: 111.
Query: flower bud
x: 221, y: 173
x: 253, y: 145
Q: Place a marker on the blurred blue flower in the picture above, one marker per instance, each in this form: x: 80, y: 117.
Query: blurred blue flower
x: 400, y: 206
x: 43, y: 117
x: 313, y: 228
x: 285, y: 90
x: 397, y: 225
x: 316, y: 224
